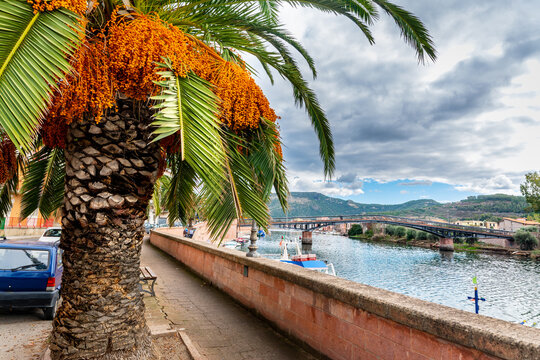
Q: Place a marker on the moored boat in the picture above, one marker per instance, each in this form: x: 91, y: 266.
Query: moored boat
x: 307, y: 261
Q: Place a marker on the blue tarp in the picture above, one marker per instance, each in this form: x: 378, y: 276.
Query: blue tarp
x: 309, y: 264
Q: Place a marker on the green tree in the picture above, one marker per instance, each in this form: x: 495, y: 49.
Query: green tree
x: 531, y: 190
x: 432, y: 237
x: 531, y: 229
x: 421, y: 235
x: 471, y: 240
x: 390, y: 230
x: 99, y: 98
x: 526, y: 240
x: 400, y: 231
x: 356, y: 229
x: 411, y: 234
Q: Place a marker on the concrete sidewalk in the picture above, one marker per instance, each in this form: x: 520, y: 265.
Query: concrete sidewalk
x: 219, y: 328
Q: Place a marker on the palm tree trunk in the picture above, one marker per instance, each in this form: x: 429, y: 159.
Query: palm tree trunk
x: 110, y: 172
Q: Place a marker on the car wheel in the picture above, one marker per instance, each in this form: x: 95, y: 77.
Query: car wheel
x: 50, y: 312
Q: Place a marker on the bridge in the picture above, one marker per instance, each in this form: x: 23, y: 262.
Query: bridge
x: 443, y: 230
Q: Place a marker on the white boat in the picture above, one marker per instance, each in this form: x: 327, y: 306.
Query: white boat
x: 307, y: 261
x: 242, y: 240
x: 230, y: 244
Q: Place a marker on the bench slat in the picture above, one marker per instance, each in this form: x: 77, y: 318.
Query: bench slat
x: 147, y: 273
x: 151, y: 273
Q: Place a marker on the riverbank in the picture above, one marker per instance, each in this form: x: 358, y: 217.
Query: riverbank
x: 478, y: 247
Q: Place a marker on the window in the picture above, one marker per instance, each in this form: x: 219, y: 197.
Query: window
x: 53, y: 232
x: 24, y: 259
x: 59, y: 258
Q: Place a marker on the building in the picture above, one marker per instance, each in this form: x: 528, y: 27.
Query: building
x: 510, y: 224
x: 478, y: 223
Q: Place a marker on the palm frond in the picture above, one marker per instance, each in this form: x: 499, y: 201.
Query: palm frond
x: 43, y: 186
x: 180, y: 193
x: 243, y: 196
x: 412, y: 29
x: 268, y: 163
x: 53, y: 189
x: 34, y: 52
x: 158, y: 196
x: 189, y: 106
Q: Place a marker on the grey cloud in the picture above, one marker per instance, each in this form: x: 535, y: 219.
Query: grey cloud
x: 388, y: 121
x: 347, y: 178
x: 417, y: 183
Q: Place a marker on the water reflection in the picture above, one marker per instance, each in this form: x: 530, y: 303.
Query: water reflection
x: 307, y: 248
x: 447, y: 255
x: 510, y: 285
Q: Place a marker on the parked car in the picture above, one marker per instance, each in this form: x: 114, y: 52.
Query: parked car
x: 30, y: 276
x: 52, y: 234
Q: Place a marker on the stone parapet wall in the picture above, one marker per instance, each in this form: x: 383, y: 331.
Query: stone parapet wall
x: 343, y: 319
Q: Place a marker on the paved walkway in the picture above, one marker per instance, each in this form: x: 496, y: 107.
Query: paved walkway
x: 219, y: 327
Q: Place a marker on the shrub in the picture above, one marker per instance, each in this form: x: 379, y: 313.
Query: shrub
x: 525, y: 239
x: 470, y: 240
x: 411, y: 234
x: 355, y: 230
x: 377, y: 237
x: 400, y: 231
x: 421, y: 235
x: 459, y: 240
x: 369, y: 233
x: 530, y: 229
x: 432, y: 237
x: 390, y: 230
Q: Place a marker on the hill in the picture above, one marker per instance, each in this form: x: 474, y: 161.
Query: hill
x: 482, y: 207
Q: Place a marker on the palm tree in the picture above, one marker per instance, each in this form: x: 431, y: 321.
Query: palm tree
x: 98, y: 98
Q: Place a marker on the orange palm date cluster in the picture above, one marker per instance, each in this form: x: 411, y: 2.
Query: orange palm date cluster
x: 77, y: 6
x: 242, y: 100
x: 124, y: 59
x: 8, y: 160
x: 87, y: 90
x: 136, y: 46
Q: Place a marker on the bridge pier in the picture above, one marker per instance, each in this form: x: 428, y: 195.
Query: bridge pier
x: 307, y: 238
x: 446, y: 244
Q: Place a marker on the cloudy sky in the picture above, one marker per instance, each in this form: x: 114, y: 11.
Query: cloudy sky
x: 467, y: 124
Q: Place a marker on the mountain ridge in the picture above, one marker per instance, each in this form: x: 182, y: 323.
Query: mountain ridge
x: 481, y: 207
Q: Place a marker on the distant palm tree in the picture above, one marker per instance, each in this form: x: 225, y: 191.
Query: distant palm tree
x: 99, y: 97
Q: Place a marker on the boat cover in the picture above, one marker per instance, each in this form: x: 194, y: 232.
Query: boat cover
x: 310, y: 264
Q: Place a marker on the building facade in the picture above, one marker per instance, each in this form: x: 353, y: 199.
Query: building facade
x: 510, y: 224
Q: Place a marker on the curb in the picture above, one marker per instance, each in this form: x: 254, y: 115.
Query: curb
x: 189, y: 345
x: 157, y: 333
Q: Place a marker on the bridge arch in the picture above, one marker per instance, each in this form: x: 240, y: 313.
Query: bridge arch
x: 441, y: 229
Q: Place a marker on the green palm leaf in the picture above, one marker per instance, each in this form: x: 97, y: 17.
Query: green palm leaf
x: 243, y: 195
x: 412, y: 30
x: 53, y: 189
x: 34, y: 49
x: 187, y: 105
x: 179, y: 195
x: 43, y: 186
x: 267, y: 162
x: 158, y: 196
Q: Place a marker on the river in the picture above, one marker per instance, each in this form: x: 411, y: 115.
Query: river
x: 510, y: 285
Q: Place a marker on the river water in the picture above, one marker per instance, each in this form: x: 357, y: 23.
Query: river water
x: 511, y: 286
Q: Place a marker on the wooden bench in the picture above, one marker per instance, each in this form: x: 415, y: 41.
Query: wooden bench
x: 147, y: 277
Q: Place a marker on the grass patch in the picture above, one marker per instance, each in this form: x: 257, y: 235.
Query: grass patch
x: 465, y: 247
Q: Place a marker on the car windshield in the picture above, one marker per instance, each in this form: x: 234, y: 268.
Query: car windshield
x: 24, y: 259
x: 53, y: 232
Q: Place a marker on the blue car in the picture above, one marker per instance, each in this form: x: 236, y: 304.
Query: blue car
x: 30, y: 276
